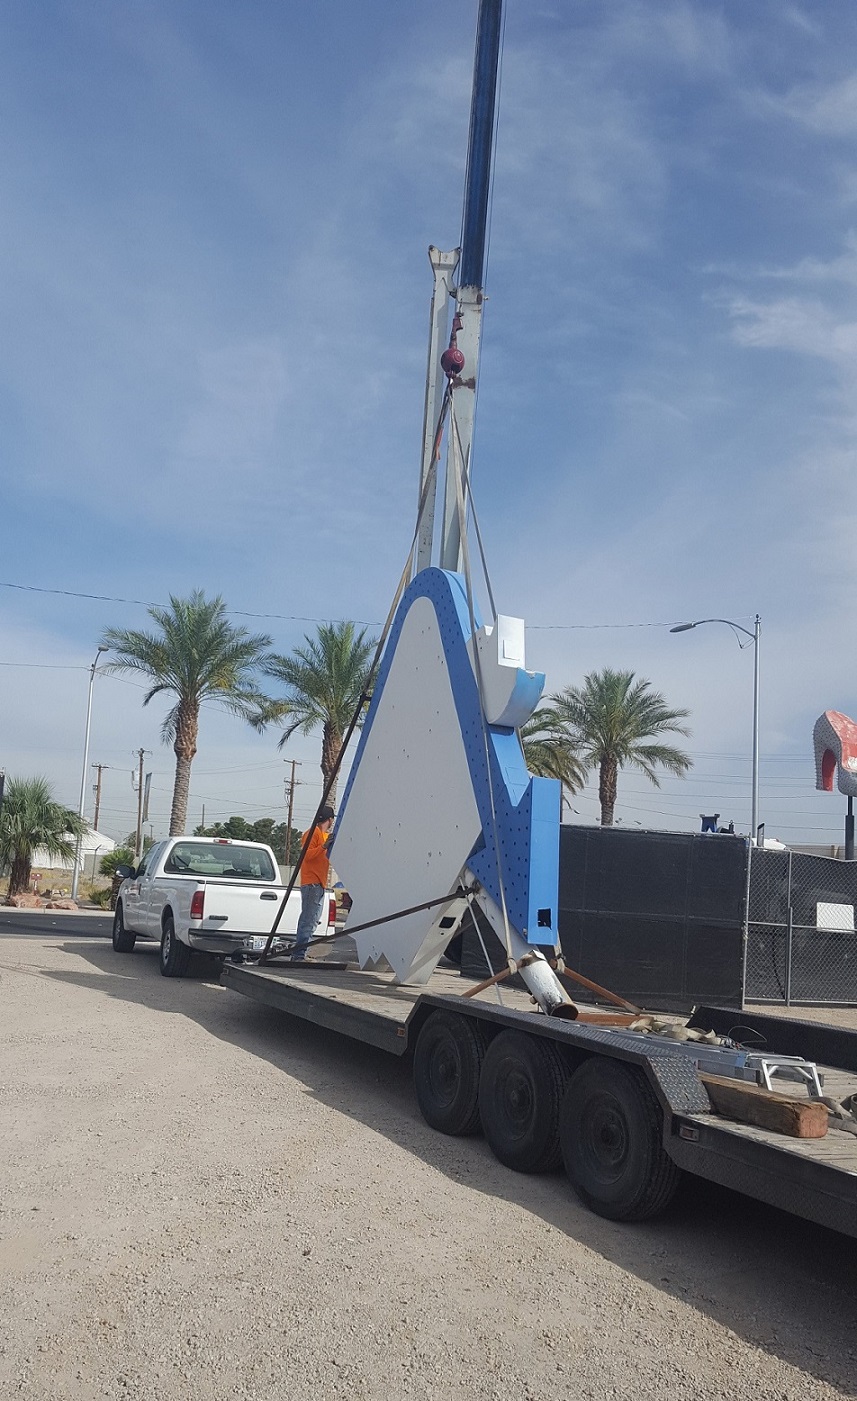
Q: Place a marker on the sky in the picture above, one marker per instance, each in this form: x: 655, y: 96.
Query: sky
x: 214, y: 289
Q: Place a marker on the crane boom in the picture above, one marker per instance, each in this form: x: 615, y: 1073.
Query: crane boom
x: 466, y: 298
x: 439, y: 798
x: 478, y: 178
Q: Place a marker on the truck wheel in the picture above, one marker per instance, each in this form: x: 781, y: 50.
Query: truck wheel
x: 447, y: 1061
x: 520, y: 1094
x: 175, y: 956
x: 611, y: 1130
x: 123, y: 939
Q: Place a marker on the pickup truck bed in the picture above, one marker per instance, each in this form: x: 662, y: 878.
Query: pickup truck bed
x: 208, y: 894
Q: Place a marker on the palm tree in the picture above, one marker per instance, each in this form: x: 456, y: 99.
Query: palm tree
x: 326, y: 680
x: 615, y: 720
x: 32, y: 820
x: 549, y: 750
x: 197, y: 656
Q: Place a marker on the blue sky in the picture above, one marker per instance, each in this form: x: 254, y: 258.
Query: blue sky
x: 214, y: 292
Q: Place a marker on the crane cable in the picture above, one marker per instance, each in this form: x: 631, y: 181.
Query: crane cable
x: 366, y: 696
x: 456, y: 462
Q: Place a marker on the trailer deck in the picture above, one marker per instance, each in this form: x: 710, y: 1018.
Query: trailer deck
x: 368, y: 1006
x: 813, y: 1178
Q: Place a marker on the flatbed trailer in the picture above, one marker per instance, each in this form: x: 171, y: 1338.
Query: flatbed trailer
x: 626, y: 1114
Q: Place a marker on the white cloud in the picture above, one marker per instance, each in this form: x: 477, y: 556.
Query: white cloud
x: 793, y: 323
x: 828, y: 109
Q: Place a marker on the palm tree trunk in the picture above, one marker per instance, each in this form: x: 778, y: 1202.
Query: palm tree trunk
x: 608, y: 773
x: 331, y: 748
x: 187, y: 729
x: 19, y: 875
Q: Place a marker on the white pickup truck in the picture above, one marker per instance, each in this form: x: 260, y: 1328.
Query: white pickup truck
x: 206, y: 893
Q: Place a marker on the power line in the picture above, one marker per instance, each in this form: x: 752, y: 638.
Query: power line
x: 47, y: 666
x: 145, y: 603
x: 300, y: 618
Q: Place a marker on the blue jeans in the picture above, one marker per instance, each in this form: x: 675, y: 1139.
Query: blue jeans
x: 312, y: 899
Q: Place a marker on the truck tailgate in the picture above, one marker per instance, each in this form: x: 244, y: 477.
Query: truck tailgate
x: 250, y: 909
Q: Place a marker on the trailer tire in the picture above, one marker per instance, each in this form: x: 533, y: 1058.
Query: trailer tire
x: 520, y: 1095
x: 175, y: 956
x: 123, y: 939
x: 447, y: 1060
x: 611, y: 1131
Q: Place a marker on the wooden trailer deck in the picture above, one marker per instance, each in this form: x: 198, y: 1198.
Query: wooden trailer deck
x: 368, y: 1006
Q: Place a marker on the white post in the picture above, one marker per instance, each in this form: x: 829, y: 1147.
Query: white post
x: 754, y: 802
x: 75, y: 878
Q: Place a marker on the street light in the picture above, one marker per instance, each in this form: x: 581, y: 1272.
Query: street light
x: 754, y: 638
x: 75, y: 878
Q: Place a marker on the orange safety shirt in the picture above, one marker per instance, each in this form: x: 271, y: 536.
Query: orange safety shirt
x: 315, y: 865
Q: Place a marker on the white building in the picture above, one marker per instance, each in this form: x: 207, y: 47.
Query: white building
x: 93, y: 845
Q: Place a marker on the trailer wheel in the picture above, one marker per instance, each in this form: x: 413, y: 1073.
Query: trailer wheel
x: 611, y: 1130
x: 175, y: 956
x: 123, y: 939
x: 520, y: 1094
x: 447, y: 1060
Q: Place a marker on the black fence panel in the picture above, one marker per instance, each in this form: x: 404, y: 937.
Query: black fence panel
x: 660, y: 918
x: 655, y: 916
x: 767, y: 960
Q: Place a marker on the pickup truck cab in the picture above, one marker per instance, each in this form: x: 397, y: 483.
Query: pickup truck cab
x: 207, y: 893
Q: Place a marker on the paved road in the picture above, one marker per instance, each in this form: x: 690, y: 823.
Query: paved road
x: 14, y: 923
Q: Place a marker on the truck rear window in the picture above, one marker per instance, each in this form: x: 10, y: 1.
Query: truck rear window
x: 235, y: 862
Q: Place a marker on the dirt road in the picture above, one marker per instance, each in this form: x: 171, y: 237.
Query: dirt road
x: 203, y: 1200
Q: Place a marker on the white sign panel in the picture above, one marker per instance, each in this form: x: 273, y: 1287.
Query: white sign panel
x: 835, y: 917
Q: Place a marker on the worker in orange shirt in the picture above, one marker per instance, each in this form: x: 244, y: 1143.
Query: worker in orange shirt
x: 314, y: 872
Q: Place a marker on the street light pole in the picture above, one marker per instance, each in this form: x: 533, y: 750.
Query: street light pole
x: 754, y: 819
x: 75, y: 879
x: 754, y: 637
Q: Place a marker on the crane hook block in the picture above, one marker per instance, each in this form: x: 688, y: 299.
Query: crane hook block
x: 452, y: 361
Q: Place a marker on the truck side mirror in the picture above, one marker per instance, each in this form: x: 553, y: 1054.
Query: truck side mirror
x: 126, y: 872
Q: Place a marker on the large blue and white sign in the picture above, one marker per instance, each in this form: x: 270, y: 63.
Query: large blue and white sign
x: 439, y: 786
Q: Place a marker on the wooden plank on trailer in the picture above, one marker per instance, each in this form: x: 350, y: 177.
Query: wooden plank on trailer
x: 736, y: 1099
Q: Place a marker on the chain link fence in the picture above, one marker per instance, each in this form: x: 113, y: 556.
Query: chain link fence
x: 801, y: 942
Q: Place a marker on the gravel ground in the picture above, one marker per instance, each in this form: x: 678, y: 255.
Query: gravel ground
x: 205, y: 1200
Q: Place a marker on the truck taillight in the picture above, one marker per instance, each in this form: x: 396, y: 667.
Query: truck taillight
x: 331, y: 911
x: 197, y: 904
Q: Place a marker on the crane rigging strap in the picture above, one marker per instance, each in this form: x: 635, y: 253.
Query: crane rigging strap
x: 454, y: 432
x: 428, y: 487
x: 489, y: 965
x: 456, y: 465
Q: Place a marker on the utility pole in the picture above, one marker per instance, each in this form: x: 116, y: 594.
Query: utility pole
x: 291, y: 783
x: 99, y: 767
x: 138, y: 845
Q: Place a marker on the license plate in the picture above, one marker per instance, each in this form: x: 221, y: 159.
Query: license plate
x: 259, y: 943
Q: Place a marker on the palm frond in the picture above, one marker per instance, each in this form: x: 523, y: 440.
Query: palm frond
x: 196, y: 655
x: 612, y: 719
x: 549, y: 750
